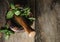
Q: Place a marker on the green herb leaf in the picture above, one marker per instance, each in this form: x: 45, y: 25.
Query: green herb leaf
x: 12, y: 6
x: 31, y: 19
x: 9, y: 14
x: 26, y: 9
x: 6, y: 36
x: 17, y: 13
x: 26, y: 12
x: 3, y: 31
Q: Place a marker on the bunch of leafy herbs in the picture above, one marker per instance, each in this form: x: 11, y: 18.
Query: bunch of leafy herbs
x: 19, y: 11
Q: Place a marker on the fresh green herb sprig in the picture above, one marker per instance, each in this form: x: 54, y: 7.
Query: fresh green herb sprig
x: 6, y: 32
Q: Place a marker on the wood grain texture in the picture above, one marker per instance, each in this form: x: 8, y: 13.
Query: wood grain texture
x: 47, y: 20
x: 3, y: 10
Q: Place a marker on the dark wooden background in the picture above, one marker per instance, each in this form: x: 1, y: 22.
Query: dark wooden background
x: 47, y: 24
x: 47, y: 20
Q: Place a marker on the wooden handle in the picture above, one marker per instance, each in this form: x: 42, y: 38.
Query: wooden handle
x: 26, y: 27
